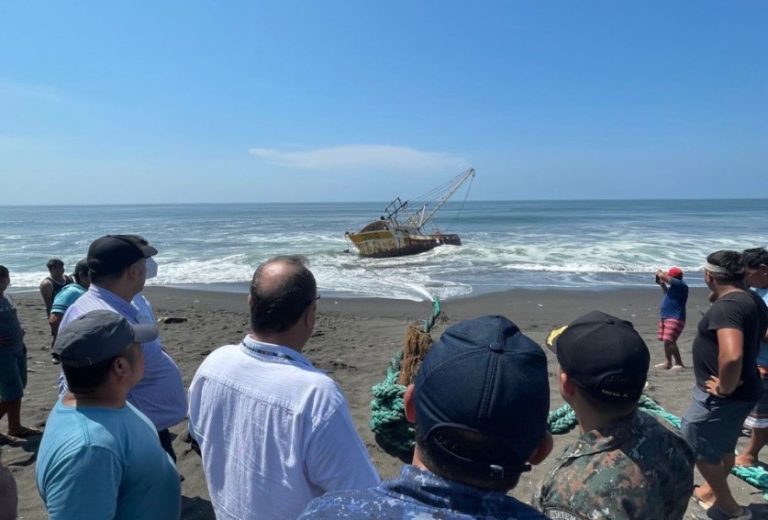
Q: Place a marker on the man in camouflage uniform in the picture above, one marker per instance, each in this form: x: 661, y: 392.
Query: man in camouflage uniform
x: 626, y: 464
x: 480, y: 403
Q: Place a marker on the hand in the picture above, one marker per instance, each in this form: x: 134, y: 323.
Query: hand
x: 713, y: 385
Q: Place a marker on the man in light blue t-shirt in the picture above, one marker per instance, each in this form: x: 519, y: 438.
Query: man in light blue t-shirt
x: 100, y: 457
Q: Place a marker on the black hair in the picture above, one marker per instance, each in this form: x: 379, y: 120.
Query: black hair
x: 731, y: 261
x: 755, y: 257
x: 86, y: 380
x: 279, y: 306
x: 54, y: 262
x: 4, y: 271
x: 473, y: 446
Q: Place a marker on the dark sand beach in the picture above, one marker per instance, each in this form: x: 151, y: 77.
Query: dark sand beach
x: 354, y: 341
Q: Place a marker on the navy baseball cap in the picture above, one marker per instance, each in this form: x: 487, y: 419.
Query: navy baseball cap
x: 486, y: 377
x: 111, y: 254
x: 97, y: 336
x: 604, y: 355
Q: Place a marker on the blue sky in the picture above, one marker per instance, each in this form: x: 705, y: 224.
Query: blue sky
x: 149, y: 102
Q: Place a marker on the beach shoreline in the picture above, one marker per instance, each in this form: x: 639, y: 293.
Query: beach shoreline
x: 354, y: 340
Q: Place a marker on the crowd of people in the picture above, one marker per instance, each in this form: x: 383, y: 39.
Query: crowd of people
x: 277, y: 439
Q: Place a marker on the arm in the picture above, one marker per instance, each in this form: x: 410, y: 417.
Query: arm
x: 729, y: 362
x: 662, y: 279
x: 54, y: 320
x: 46, y: 291
x: 83, y: 485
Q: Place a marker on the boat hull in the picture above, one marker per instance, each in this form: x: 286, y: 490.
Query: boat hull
x: 388, y: 243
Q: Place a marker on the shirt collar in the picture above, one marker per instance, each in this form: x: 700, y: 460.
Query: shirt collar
x: 606, y: 438
x: 273, y: 353
x: 119, y: 304
x: 436, y: 491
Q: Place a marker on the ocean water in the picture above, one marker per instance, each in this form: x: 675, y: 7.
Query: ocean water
x: 594, y: 245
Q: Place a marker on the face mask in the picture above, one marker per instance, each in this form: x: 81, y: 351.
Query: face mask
x: 151, y: 268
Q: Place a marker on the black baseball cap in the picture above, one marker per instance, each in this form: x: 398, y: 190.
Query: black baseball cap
x: 605, y: 356
x: 487, y: 377
x: 111, y: 254
x: 97, y: 336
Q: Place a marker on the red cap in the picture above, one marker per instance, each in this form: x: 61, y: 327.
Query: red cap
x: 675, y: 272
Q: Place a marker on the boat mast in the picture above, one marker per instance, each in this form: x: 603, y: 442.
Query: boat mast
x: 422, y: 217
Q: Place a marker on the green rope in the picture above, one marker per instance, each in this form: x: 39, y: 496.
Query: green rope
x: 564, y: 420
x: 436, y: 310
x: 394, y: 434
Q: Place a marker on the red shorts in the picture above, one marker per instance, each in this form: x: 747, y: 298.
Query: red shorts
x: 670, y: 329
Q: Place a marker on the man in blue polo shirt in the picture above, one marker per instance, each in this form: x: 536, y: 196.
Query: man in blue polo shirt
x: 480, y: 404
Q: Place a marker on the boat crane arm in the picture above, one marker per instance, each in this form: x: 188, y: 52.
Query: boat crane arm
x: 454, y: 185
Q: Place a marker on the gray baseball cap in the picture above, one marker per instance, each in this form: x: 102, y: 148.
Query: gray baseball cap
x: 97, y: 336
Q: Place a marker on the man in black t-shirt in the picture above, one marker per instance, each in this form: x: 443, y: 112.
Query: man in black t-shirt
x: 727, y: 381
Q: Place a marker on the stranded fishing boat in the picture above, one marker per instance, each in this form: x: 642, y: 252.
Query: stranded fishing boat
x: 401, y: 231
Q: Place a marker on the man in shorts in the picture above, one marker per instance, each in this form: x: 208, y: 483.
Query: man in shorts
x: 672, y: 312
x: 727, y: 382
x: 756, y: 275
x: 13, y: 365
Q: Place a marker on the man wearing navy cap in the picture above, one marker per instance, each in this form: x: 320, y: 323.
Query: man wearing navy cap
x: 480, y: 405
x: 100, y: 457
x: 118, y: 266
x: 625, y: 465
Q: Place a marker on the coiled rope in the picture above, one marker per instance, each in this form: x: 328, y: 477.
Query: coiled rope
x: 393, y: 433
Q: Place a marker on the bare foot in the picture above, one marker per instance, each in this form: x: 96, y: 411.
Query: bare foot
x: 745, y: 460
x: 705, y: 499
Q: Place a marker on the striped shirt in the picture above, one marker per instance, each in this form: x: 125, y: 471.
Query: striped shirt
x: 160, y: 394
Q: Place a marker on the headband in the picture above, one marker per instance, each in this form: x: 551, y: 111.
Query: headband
x: 720, y: 270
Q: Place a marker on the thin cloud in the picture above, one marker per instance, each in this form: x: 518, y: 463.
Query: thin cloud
x: 360, y: 156
x: 20, y: 91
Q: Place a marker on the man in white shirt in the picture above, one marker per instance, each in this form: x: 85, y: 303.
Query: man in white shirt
x: 274, y: 431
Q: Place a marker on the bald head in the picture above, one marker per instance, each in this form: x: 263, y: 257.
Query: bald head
x: 282, y: 289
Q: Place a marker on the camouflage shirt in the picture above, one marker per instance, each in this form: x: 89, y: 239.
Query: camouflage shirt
x: 419, y: 495
x: 635, y: 468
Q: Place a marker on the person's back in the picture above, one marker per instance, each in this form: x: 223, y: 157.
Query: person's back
x: 100, y: 457
x: 96, y: 450
x: 119, y: 266
x: 473, y: 440
x: 675, y: 299
x: 625, y: 465
x: 279, y: 415
x: 274, y: 432
x: 629, y: 469
x: 419, y: 494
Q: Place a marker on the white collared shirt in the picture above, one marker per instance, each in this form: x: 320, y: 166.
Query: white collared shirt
x: 274, y: 432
